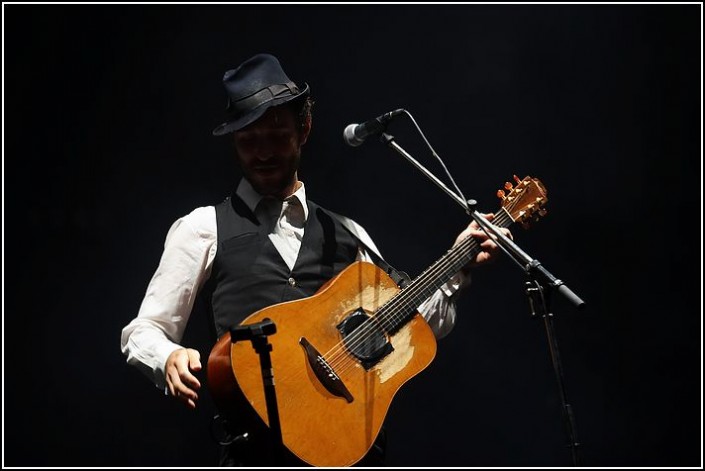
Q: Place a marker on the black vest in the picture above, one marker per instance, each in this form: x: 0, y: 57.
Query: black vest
x: 249, y: 274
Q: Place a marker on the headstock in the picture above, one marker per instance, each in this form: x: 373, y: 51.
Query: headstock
x: 525, y: 200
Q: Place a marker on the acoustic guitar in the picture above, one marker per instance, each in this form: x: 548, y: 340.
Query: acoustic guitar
x: 341, y: 355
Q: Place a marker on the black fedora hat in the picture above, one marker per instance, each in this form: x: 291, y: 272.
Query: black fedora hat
x: 255, y: 86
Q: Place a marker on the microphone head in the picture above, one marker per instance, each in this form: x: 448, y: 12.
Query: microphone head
x: 349, y: 136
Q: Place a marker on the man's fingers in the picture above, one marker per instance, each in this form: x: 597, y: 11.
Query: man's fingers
x: 180, y: 366
x: 180, y: 382
x: 194, y: 359
x: 488, y: 245
x: 186, y: 378
x: 187, y: 397
x: 184, y: 393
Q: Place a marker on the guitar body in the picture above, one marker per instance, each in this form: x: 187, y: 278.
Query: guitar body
x: 320, y: 426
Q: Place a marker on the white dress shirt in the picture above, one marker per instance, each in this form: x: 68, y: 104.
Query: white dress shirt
x: 185, y: 265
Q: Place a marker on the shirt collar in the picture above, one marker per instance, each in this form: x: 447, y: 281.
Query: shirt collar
x: 252, y: 198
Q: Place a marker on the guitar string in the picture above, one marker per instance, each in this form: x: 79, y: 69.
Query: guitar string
x: 339, y: 354
x: 392, y: 314
x: 502, y: 220
x: 404, y: 305
x: 388, y: 316
x: 338, y: 357
x: 455, y: 263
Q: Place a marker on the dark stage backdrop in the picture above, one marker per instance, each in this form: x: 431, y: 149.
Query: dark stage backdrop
x: 107, y: 118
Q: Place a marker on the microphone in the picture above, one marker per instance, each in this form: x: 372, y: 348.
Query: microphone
x: 355, y: 134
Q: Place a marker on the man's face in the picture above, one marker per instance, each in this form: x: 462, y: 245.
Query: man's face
x: 269, y: 151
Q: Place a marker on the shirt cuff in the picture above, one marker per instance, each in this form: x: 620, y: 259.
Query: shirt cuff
x: 162, y: 354
x: 457, y: 282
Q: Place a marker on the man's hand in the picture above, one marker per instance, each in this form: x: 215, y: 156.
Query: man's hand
x: 488, y: 246
x: 181, y: 382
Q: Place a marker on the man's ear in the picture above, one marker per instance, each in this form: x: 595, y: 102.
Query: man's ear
x: 305, y: 130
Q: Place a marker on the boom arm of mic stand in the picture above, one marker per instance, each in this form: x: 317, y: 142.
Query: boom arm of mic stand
x: 530, y: 265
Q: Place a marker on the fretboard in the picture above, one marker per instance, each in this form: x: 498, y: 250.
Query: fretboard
x: 403, y: 306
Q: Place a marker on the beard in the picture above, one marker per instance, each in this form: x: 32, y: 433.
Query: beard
x: 276, y: 178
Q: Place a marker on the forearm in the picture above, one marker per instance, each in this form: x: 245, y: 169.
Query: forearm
x: 147, y: 349
x: 155, y: 333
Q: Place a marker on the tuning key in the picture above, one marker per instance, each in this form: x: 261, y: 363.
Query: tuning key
x: 508, y: 186
x: 500, y: 194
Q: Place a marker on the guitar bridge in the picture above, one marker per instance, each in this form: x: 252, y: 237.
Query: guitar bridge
x: 324, y: 372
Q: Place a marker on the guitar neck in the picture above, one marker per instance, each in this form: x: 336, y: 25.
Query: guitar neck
x: 402, y: 307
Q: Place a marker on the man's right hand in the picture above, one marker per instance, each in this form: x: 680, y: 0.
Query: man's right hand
x: 181, y: 382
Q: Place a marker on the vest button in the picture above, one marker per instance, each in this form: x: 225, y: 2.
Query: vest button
x: 292, y: 281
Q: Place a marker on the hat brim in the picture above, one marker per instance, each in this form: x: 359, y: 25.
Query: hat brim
x: 256, y: 113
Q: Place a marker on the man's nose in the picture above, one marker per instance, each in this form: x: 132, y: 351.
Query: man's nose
x: 264, y: 150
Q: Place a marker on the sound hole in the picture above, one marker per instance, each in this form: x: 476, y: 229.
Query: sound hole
x: 364, y: 338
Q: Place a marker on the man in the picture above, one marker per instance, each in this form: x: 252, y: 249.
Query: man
x: 266, y: 244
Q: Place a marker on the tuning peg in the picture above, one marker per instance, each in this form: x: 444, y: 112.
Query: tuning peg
x: 542, y: 212
x: 500, y: 194
x: 517, y: 179
x: 508, y: 186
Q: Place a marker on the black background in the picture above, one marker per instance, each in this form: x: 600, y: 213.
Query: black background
x: 107, y: 118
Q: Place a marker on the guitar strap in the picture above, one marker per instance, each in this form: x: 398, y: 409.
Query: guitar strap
x: 399, y: 277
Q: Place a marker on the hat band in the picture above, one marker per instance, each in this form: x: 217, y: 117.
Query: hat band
x: 261, y: 97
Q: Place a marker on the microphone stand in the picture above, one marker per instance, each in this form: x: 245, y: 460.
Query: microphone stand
x: 257, y: 333
x: 538, y: 289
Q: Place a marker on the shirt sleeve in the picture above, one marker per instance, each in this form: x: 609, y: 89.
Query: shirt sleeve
x: 185, y: 265
x: 439, y: 310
